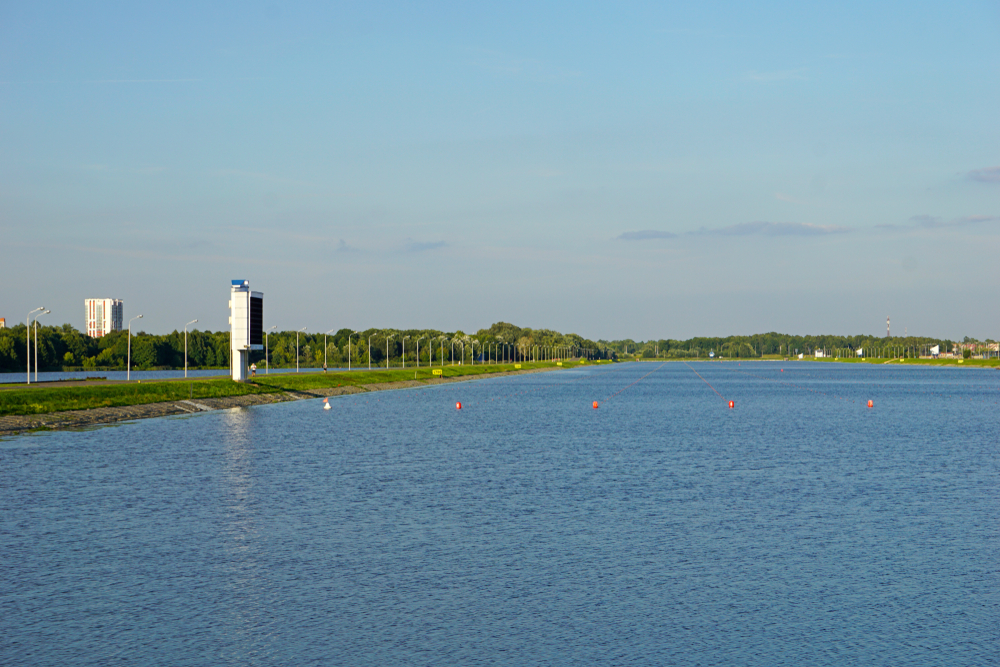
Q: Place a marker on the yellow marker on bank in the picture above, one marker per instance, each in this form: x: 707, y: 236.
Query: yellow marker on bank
x: 558, y: 363
x: 437, y: 371
x: 517, y: 365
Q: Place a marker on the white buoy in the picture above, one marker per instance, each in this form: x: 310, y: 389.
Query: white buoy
x: 326, y: 403
x: 326, y: 406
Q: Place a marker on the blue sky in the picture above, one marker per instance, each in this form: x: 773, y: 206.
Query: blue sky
x: 640, y: 170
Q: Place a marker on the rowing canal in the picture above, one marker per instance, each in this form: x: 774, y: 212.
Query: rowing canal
x: 798, y: 528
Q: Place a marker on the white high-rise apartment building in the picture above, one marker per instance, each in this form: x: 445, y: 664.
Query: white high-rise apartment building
x: 103, y: 316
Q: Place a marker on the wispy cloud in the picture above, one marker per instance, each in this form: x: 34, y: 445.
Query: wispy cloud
x: 646, y: 234
x: 142, y: 80
x: 422, y: 246
x: 925, y: 221
x: 757, y: 228
x: 762, y: 228
x: 987, y: 175
x: 783, y: 75
x: 260, y: 176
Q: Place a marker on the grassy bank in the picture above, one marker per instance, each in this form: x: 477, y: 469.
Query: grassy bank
x: 42, y: 399
x: 39, y: 399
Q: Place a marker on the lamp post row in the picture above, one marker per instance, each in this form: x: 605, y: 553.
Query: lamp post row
x: 128, y: 368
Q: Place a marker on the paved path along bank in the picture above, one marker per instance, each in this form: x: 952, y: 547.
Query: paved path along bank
x: 70, y: 419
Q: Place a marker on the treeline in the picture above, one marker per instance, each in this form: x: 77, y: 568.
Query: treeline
x: 770, y: 344
x: 65, y: 347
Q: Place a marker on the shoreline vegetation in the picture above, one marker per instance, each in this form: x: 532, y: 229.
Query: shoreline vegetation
x: 48, y: 398
x: 63, y: 348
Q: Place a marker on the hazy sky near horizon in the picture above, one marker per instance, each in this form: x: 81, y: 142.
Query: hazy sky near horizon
x: 643, y: 170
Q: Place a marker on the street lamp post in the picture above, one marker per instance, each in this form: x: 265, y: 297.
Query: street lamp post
x: 387, y: 352
x: 267, y: 364
x: 441, y: 338
x: 186, y: 346
x: 27, y: 333
x: 324, y: 349
x: 36, y: 341
x: 297, y: 348
x: 370, y: 351
x: 404, y: 350
x: 418, y: 351
x: 128, y: 364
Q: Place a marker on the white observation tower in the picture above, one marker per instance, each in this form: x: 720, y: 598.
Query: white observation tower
x: 246, y: 326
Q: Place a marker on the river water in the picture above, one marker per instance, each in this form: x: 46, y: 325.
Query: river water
x: 528, y: 528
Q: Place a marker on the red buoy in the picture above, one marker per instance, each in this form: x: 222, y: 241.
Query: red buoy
x: 595, y: 405
x: 871, y: 404
x: 732, y: 404
x: 458, y: 406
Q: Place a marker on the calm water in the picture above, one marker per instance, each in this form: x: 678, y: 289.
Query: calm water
x: 800, y: 528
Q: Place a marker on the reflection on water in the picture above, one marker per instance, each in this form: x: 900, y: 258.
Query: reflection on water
x: 528, y: 528
x: 241, y: 564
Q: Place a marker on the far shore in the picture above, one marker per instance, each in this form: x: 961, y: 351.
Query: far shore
x: 941, y: 363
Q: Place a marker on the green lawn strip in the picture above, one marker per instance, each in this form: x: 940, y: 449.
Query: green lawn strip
x: 307, y: 381
x: 41, y: 400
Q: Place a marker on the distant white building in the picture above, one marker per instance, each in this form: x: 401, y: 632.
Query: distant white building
x: 103, y: 316
x: 3, y: 322
x: 820, y: 354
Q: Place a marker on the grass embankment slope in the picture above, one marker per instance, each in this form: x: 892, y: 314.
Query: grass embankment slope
x: 41, y: 399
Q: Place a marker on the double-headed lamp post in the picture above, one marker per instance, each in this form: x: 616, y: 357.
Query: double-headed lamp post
x: 404, y: 350
x: 128, y: 363
x: 186, y: 346
x: 36, y: 341
x: 27, y: 330
x: 324, y: 349
x: 267, y: 364
x: 418, y: 351
x: 297, y: 348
